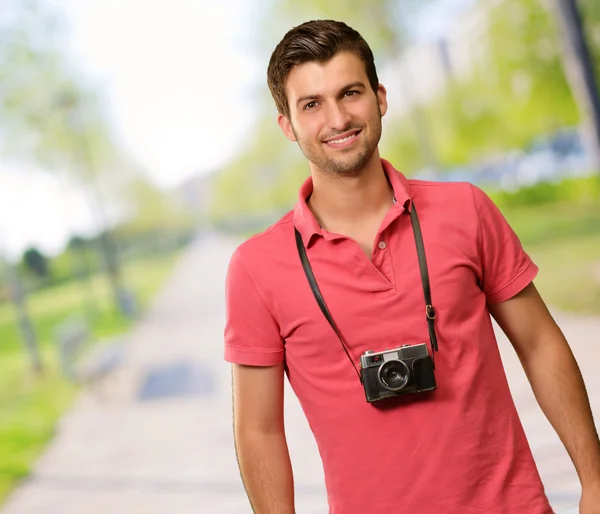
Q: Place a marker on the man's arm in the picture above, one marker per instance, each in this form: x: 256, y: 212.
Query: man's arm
x: 555, y: 379
x: 260, y: 441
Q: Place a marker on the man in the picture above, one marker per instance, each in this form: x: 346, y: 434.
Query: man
x: 458, y: 449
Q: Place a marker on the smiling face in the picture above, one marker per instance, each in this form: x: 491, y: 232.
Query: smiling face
x: 335, y: 116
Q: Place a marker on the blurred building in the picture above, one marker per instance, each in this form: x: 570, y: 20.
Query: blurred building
x: 467, y: 40
x: 421, y: 73
x: 425, y: 68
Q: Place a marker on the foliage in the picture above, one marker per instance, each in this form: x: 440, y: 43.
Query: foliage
x: 256, y: 182
x: 151, y: 208
x: 577, y: 191
x: 380, y: 22
x: 515, y: 92
x: 36, y: 262
x: 50, y: 116
x: 156, y: 221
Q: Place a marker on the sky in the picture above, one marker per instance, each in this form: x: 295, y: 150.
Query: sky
x: 177, y: 75
x: 179, y: 79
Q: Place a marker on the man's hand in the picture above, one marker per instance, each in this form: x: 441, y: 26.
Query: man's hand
x: 590, y: 499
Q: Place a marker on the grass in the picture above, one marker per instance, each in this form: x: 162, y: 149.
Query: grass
x: 564, y: 241
x: 30, y: 405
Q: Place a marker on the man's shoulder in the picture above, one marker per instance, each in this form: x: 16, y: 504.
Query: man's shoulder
x: 269, y: 242
x: 455, y: 196
x: 440, y: 187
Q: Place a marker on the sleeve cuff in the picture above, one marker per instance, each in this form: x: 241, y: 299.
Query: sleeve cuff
x: 253, y: 358
x: 515, y: 286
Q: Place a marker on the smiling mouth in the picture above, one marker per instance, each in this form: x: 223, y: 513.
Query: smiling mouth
x: 343, y: 138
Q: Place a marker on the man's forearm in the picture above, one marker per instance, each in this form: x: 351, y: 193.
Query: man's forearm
x: 266, y: 471
x: 558, y: 386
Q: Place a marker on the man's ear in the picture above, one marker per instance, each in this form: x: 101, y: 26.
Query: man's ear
x: 382, y: 99
x: 286, y: 127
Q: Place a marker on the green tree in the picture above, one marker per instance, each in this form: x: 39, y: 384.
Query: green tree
x: 381, y: 22
x: 516, y: 91
x: 38, y: 89
x: 264, y: 177
x: 51, y: 118
x: 579, y: 69
x: 36, y: 262
x: 156, y: 219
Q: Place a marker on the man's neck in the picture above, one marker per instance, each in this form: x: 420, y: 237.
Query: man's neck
x: 346, y: 201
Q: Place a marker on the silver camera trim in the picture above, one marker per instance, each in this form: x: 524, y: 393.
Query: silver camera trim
x: 398, y: 351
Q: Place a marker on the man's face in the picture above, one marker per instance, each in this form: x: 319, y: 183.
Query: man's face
x: 335, y: 116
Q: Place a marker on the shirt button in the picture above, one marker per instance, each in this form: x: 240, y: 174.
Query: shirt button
x: 382, y: 245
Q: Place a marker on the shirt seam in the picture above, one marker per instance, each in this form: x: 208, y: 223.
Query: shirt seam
x: 245, y: 350
x: 480, y: 245
x: 432, y: 183
x: 479, y: 232
x: 515, y: 278
x: 269, y: 229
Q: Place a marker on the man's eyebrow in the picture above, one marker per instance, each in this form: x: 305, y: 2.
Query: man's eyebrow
x: 348, y: 87
x: 353, y: 85
x: 305, y: 98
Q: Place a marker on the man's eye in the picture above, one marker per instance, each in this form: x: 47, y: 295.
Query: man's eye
x: 350, y: 93
x: 310, y: 105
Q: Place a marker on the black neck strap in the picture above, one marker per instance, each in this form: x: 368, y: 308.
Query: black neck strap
x: 429, y: 310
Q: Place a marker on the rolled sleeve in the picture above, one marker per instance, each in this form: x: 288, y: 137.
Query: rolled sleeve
x: 252, y: 335
x: 522, y: 280
x: 506, y: 268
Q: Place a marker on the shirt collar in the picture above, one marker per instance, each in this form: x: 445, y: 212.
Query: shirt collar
x: 307, y: 224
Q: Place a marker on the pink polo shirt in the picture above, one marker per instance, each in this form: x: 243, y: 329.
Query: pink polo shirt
x: 460, y: 449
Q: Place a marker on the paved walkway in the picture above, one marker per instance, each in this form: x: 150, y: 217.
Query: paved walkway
x: 157, y: 437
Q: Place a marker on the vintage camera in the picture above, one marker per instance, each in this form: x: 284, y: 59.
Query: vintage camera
x: 404, y: 370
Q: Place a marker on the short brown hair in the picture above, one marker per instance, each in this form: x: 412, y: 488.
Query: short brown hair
x: 320, y: 41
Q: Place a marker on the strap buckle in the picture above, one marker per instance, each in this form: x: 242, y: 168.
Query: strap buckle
x: 430, y: 312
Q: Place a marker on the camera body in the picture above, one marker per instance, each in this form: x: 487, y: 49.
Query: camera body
x: 407, y: 369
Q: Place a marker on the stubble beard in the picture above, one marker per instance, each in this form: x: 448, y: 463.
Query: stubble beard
x: 344, y: 166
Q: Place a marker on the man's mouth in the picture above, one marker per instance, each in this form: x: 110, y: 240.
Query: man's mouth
x: 341, y: 139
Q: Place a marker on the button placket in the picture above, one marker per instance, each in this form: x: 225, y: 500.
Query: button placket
x: 387, y: 267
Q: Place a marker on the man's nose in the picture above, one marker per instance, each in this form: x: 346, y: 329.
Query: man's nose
x: 338, y: 117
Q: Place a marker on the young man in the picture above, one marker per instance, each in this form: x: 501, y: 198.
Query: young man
x: 457, y: 449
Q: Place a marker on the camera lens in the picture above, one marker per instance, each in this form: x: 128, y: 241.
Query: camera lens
x: 393, y: 375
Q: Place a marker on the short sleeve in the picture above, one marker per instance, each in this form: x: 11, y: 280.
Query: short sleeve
x: 252, y: 334
x: 506, y: 268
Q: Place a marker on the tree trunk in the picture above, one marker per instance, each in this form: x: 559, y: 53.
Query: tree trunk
x: 579, y: 70
x: 25, y: 325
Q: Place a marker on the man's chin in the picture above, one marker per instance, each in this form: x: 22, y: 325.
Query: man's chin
x: 354, y: 165
x: 349, y: 165
x: 346, y: 169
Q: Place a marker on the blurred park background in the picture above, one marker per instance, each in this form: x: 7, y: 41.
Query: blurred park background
x: 130, y: 129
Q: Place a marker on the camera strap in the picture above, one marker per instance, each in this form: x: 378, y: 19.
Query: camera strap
x: 429, y: 310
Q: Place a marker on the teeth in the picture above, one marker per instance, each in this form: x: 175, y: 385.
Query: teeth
x: 337, y: 141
